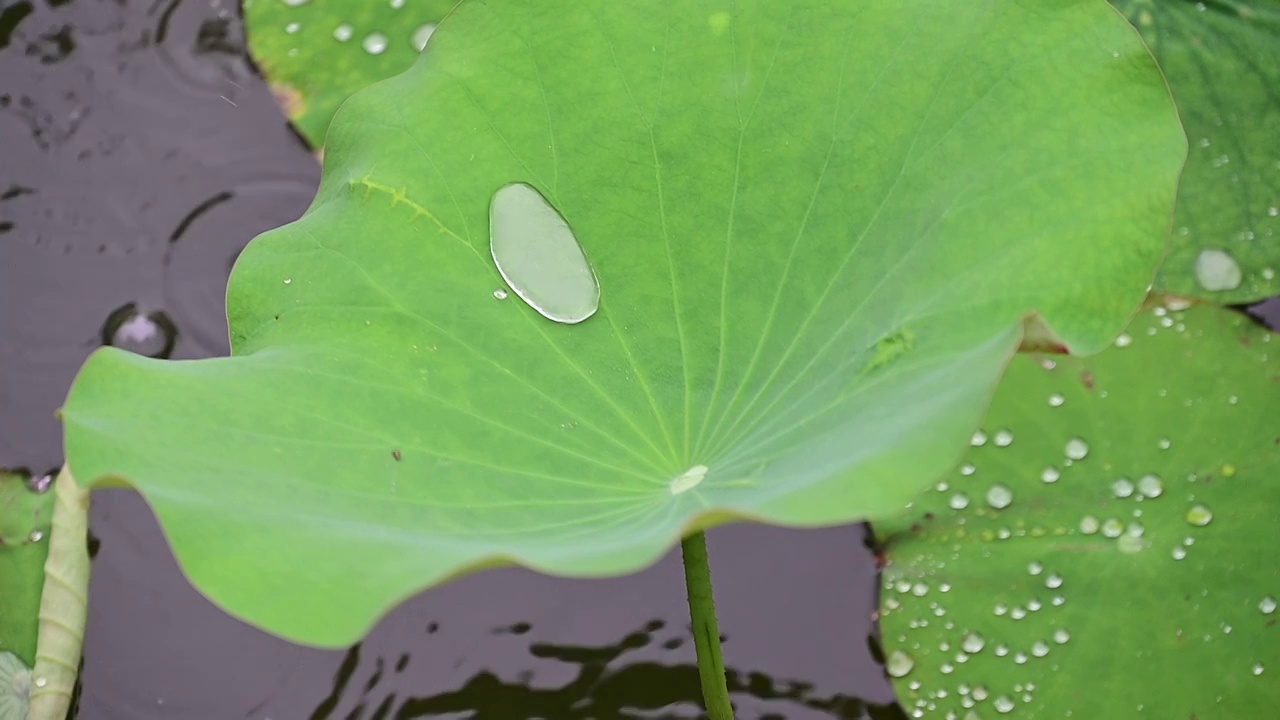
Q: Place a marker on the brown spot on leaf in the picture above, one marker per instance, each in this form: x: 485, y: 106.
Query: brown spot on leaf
x: 288, y: 99
x: 1086, y: 378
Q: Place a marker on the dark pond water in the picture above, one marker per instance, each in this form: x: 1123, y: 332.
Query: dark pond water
x: 139, y: 152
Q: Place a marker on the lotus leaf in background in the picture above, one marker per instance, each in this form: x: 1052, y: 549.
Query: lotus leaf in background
x: 1116, y: 518
x: 815, y: 228
x: 316, y: 53
x: 1222, y: 60
x: 25, y: 510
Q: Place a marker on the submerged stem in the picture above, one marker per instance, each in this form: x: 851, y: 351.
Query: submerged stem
x: 706, y: 631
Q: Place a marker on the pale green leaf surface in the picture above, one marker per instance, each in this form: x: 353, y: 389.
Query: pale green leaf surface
x: 24, y: 544
x: 316, y: 53
x: 15, y: 687
x: 1222, y: 61
x: 1093, y: 596
x: 816, y: 228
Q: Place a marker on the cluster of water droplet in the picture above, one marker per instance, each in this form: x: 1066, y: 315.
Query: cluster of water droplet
x: 372, y: 41
x: 1041, y: 631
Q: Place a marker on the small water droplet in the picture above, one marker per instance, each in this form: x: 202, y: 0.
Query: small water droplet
x: 973, y: 643
x: 375, y: 43
x: 959, y: 501
x: 35, y: 536
x: 1123, y: 340
x: 1053, y: 582
x: 296, y: 3
x: 1199, y: 515
x: 539, y: 256
x: 1077, y: 449
x: 41, y: 681
x: 967, y: 469
x: 999, y: 496
x: 1003, y: 438
x: 1164, y: 444
x: 1035, y: 568
x: 1217, y: 271
x: 1179, y: 553
x: 1151, y: 486
x: 1000, y: 609
x: 1267, y: 605
x: 1258, y: 668
x: 1061, y: 636
x: 1040, y: 648
x: 500, y: 294
x: 397, y: 4
x: 1050, y: 475
x: 1056, y: 400
x: 1122, y: 488
x: 422, y: 35
x: 343, y: 32
x: 979, y: 438
x: 688, y: 480
x: 899, y: 664
x: 1112, y: 528
x: 1018, y: 613
x: 1089, y: 525
x: 1001, y: 650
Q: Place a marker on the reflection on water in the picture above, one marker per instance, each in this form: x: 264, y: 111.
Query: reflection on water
x: 602, y: 685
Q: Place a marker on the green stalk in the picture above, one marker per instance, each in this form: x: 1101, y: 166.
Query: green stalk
x: 706, y: 631
x: 63, y: 604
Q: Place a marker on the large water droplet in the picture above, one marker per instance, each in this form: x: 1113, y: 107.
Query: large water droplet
x: 1050, y: 475
x: 959, y: 501
x: 1003, y: 704
x: 1216, y: 270
x: 1268, y: 605
x: 1076, y: 449
x: 539, y: 256
x: 899, y: 664
x: 973, y: 643
x: 151, y: 334
x: 1004, y: 438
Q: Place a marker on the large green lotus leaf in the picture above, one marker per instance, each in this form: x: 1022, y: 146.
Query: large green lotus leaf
x: 316, y: 53
x: 816, y: 229
x: 1222, y: 60
x: 25, y: 511
x: 1108, y: 547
